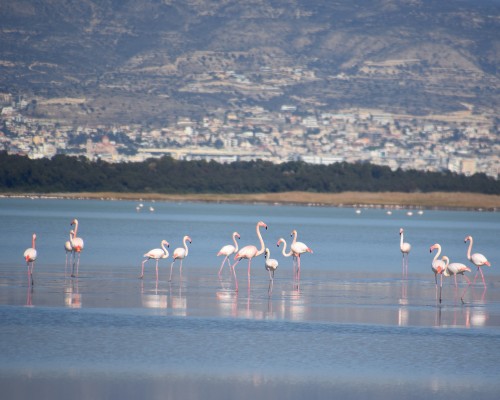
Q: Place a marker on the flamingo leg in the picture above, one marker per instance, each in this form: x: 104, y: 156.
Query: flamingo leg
x: 142, y: 268
x: 235, y: 278
x: 249, y: 265
x: 482, y: 276
x: 171, y: 266
x: 180, y: 271
x: 222, y: 265
x: 440, y: 288
x: 465, y: 290
x: 156, y: 271
x: 78, y: 264
x: 298, y: 268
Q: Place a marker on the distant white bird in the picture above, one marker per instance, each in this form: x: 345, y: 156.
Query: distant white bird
x: 405, y: 249
x: 30, y: 255
x: 180, y: 253
x: 227, y: 250
x: 155, y: 254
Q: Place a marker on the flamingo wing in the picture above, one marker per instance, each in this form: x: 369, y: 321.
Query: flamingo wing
x: 30, y: 254
x: 179, y: 252
x: 155, y: 253
x: 458, y: 268
x: 226, y: 250
x: 406, y: 247
x: 246, y: 252
x: 300, y: 248
x: 77, y: 244
x: 478, y: 259
x: 438, y: 266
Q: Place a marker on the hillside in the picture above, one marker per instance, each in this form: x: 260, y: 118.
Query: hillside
x: 149, y: 61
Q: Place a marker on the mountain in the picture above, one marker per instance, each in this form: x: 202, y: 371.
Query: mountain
x: 146, y: 62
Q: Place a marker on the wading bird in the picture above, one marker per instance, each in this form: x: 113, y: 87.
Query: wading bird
x: 477, y: 259
x: 405, y: 249
x: 227, y: 250
x: 297, y: 249
x: 180, y: 253
x: 77, y: 244
x: 30, y: 257
x: 250, y: 251
x: 155, y: 254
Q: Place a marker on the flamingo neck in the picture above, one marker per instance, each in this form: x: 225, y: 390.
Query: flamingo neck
x: 438, y: 253
x: 185, y: 246
x: 262, y: 246
x: 235, y: 244
x: 76, y: 228
x: 470, y: 248
x: 33, y: 239
x: 294, y: 233
x: 284, y: 250
x: 163, y: 248
x: 401, y: 241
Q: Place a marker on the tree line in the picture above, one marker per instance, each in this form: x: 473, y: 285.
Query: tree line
x: 165, y: 175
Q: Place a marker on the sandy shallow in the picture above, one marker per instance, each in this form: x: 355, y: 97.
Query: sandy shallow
x: 108, y: 334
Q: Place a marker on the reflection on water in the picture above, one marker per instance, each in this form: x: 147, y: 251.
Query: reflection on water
x: 72, y: 297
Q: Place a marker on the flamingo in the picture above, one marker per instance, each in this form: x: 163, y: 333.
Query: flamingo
x: 405, y: 249
x: 155, y: 254
x: 437, y: 266
x: 227, y: 250
x: 180, y: 253
x: 77, y: 245
x: 477, y: 259
x: 298, y: 248
x: 281, y: 240
x: 271, y: 264
x: 456, y: 269
x: 250, y: 251
x: 30, y: 257
x: 68, y: 248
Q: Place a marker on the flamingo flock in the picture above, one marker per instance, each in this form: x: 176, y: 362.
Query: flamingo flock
x: 439, y: 266
x: 443, y: 267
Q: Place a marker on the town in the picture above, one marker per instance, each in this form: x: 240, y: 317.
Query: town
x: 462, y: 142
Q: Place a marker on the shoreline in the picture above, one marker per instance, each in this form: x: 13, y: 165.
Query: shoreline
x: 432, y: 200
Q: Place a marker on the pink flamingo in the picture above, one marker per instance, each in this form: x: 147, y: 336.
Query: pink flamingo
x: 68, y: 248
x: 477, y: 259
x: 155, y: 254
x: 456, y: 269
x: 30, y: 257
x: 405, y: 249
x: 180, y: 253
x: 298, y: 248
x: 77, y: 245
x: 227, y: 250
x: 437, y: 266
x: 271, y: 265
x: 250, y: 251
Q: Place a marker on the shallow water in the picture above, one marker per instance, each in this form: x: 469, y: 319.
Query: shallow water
x: 346, y: 330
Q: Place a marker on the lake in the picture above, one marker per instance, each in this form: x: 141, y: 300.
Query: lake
x: 351, y: 327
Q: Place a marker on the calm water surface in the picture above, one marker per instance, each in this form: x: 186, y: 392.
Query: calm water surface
x: 351, y: 328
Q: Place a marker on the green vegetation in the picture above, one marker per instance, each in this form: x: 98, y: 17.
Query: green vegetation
x: 166, y: 175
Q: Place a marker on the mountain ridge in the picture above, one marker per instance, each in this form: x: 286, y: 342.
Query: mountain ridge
x: 152, y: 61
